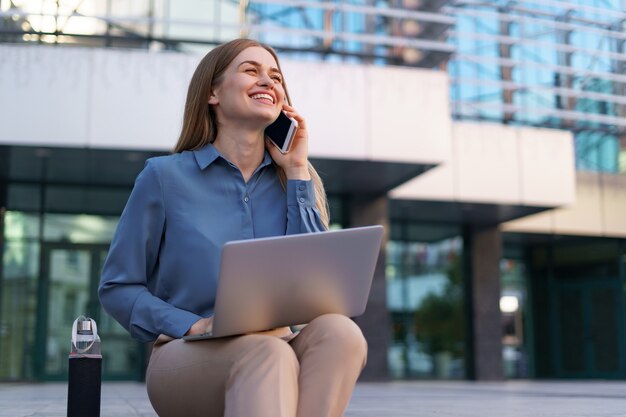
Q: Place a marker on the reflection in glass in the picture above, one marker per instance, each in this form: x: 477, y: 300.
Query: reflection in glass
x: 20, y: 225
x: 425, y: 297
x: 513, y: 306
x: 18, y: 306
x: 79, y: 228
x: 74, y: 248
x: 68, y: 294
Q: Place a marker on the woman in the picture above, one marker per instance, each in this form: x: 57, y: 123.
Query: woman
x: 225, y: 182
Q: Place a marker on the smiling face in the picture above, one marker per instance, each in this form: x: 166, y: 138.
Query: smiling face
x: 250, y: 90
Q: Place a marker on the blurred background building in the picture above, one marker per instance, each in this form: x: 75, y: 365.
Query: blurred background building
x: 489, y: 137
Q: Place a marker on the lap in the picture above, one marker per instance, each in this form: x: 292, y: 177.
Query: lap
x: 189, y: 378
x: 170, y: 354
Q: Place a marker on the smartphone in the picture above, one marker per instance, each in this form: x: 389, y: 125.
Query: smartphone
x: 282, y: 131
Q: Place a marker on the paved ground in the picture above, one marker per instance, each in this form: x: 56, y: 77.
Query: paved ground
x: 397, y: 399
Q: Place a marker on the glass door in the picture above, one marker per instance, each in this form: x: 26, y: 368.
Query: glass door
x: 68, y: 288
x: 590, y: 338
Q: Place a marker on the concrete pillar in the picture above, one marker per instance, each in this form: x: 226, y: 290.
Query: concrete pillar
x: 486, y: 251
x: 375, y: 323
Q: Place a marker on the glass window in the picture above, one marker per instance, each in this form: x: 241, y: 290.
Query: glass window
x: 425, y: 298
x: 24, y: 197
x: 20, y: 225
x: 96, y: 200
x: 336, y: 206
x: 513, y: 307
x: 17, y: 308
x: 79, y: 228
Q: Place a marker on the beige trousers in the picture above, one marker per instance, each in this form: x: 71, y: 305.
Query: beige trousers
x: 258, y: 375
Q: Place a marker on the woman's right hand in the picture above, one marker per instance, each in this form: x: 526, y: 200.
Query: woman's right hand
x: 202, y: 326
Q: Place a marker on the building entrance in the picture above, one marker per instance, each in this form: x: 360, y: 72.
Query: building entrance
x: 588, y: 318
x: 68, y: 288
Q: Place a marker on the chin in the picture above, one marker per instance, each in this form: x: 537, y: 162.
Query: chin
x: 269, y: 117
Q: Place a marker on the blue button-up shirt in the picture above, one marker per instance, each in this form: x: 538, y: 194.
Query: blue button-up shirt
x: 161, y: 273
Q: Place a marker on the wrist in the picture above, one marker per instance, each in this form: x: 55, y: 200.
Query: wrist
x: 298, y: 173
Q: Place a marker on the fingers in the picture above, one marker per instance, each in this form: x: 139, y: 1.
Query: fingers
x: 291, y: 112
x: 208, y: 324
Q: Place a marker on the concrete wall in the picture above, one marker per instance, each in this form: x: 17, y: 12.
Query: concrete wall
x: 599, y: 210
x: 134, y: 99
x: 493, y: 163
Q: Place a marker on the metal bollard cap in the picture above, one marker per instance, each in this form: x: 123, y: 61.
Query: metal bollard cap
x: 84, y: 327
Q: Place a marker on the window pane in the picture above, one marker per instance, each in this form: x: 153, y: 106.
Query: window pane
x: 19, y: 225
x: 79, y: 228
x: 425, y: 298
x: 17, y: 316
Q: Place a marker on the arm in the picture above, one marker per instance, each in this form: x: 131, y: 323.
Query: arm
x: 302, y: 214
x: 133, y: 258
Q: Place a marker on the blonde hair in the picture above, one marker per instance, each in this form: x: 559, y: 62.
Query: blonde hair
x: 199, y: 120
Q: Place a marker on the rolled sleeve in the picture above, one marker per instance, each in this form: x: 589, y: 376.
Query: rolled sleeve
x: 302, y: 213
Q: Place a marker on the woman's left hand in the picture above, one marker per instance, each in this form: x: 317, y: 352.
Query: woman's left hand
x: 284, y: 333
x: 294, y: 162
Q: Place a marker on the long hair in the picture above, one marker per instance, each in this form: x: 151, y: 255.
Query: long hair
x: 200, y: 122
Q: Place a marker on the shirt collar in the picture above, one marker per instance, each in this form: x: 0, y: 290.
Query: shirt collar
x: 206, y: 155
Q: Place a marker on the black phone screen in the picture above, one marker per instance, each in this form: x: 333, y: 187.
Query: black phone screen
x: 279, y: 130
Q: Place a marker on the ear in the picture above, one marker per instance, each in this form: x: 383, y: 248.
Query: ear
x: 213, y: 100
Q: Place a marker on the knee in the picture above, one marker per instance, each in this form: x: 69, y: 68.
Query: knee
x: 342, y: 333
x: 273, y: 350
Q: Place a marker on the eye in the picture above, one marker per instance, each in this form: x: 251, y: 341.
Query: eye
x: 251, y: 70
x: 277, y: 78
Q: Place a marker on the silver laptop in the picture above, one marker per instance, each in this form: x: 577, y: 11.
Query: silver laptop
x: 289, y: 280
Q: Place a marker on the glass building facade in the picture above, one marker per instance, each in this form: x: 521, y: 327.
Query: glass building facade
x: 541, y: 63
x: 61, y: 209
x: 560, y: 65
x: 545, y: 63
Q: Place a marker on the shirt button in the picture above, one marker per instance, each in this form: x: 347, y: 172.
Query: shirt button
x: 301, y: 199
x: 301, y: 187
x: 246, y: 199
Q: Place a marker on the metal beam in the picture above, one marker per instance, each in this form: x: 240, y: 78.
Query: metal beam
x: 480, y: 59
x: 366, y: 10
x: 563, y: 91
x: 566, y: 5
x: 525, y: 110
x: 549, y: 22
x: 511, y: 40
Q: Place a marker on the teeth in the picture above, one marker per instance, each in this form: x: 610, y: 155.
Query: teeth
x: 260, y: 96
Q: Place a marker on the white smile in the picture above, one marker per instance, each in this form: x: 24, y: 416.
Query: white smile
x: 263, y: 97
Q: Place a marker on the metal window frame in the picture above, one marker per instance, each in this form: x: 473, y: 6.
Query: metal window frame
x: 567, y: 6
x: 366, y: 10
x: 515, y: 18
x: 511, y: 40
x: 376, y: 40
x: 522, y: 110
x: 561, y: 69
x: 559, y: 91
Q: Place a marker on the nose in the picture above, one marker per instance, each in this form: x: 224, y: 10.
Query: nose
x: 265, y: 80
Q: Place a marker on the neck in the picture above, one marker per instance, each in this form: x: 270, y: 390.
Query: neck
x: 243, y: 147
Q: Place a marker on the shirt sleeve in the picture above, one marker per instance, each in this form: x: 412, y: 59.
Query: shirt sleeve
x: 302, y: 214
x: 131, y: 261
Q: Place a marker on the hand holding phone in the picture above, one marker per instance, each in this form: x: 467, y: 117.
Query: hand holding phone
x: 282, y: 131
